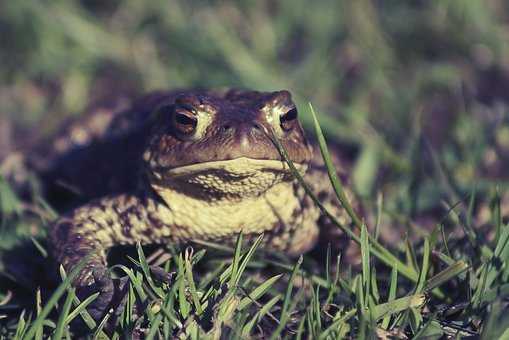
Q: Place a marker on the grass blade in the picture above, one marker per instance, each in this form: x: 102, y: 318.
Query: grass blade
x: 38, y: 322
x: 398, y: 305
x: 64, y: 315
x: 446, y: 275
x: 258, y: 292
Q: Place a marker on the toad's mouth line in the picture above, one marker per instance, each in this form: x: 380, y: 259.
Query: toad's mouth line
x: 238, y: 165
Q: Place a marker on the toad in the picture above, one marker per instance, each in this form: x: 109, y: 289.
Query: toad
x: 189, y: 165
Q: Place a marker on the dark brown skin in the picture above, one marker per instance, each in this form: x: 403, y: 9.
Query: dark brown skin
x: 190, y: 151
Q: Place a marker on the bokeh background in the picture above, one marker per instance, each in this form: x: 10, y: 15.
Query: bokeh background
x: 415, y: 91
x: 413, y: 94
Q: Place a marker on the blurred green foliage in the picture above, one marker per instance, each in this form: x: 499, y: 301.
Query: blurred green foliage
x: 416, y: 92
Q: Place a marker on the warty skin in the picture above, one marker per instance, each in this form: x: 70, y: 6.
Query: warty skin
x: 208, y: 170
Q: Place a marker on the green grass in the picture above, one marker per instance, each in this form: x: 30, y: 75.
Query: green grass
x: 239, y: 300
x: 413, y: 94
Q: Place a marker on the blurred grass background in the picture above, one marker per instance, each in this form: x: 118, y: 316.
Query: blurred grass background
x: 416, y: 92
x: 389, y: 78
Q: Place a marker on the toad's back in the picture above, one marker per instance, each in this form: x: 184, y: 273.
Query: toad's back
x: 98, y: 152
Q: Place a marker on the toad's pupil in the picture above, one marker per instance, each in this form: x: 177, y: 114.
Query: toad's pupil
x: 288, y: 118
x: 185, y: 122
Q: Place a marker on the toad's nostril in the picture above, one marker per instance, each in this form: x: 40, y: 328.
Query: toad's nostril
x: 258, y: 130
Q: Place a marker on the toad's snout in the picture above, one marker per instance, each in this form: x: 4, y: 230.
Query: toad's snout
x: 247, y: 139
x: 247, y: 135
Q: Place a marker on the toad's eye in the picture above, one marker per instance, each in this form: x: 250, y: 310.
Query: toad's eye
x: 288, y: 120
x: 185, y: 121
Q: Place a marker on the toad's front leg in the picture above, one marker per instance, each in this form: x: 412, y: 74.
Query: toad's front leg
x: 94, y: 228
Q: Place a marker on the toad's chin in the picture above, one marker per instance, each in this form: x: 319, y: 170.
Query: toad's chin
x: 241, y: 176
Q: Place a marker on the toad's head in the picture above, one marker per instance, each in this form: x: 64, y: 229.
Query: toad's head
x: 221, y: 144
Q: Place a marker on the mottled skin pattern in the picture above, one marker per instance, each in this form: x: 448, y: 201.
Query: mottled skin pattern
x: 191, y: 165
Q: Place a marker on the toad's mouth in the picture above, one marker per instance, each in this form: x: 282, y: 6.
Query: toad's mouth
x: 242, y: 166
x: 234, y: 178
